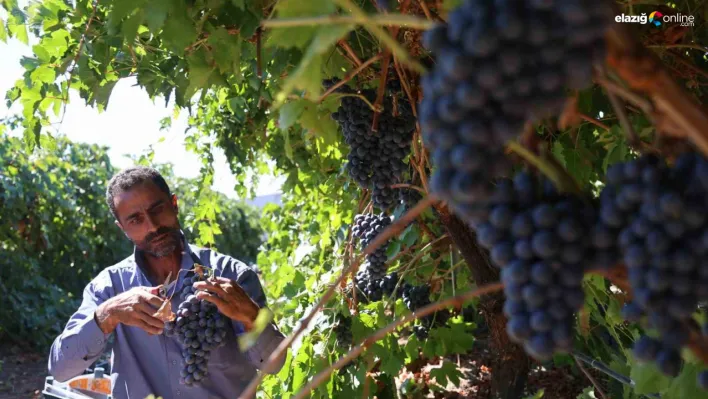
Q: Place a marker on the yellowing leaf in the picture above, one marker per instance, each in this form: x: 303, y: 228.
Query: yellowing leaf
x: 247, y: 340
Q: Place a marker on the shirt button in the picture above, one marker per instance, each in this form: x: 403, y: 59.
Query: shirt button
x: 174, y: 362
x: 178, y: 392
x: 98, y: 341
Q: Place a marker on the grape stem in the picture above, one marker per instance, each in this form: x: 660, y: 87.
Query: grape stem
x: 594, y: 121
x: 634, y: 140
x: 350, y: 52
x: 455, y: 301
x: 390, y: 231
x: 381, y: 89
x: 349, y: 76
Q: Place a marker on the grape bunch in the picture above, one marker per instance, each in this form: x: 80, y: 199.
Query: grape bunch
x: 369, y: 277
x: 537, y: 237
x: 416, y: 297
x: 376, y: 159
x: 658, y: 218
x: 501, y: 64
x: 343, y: 331
x: 200, y: 329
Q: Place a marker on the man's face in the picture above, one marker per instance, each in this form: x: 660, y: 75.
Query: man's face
x: 148, y: 217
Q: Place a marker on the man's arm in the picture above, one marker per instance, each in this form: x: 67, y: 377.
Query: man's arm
x: 81, y: 342
x: 271, y: 337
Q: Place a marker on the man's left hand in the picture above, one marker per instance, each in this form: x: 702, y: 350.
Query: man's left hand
x: 231, y: 300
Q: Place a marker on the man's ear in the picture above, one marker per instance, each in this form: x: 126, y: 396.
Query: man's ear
x: 174, y: 203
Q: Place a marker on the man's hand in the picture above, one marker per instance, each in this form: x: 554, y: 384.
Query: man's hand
x: 230, y: 299
x: 132, y: 308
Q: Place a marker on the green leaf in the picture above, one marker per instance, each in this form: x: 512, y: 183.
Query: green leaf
x: 238, y: 4
x: 447, y: 372
x: 179, y: 31
x: 17, y: 29
x: 227, y: 52
x: 44, y: 74
x: 3, y: 31
x: 199, y: 72
x: 308, y: 75
x: 647, y: 378
x: 131, y: 25
x: 290, y: 112
x: 685, y: 385
x: 156, y: 14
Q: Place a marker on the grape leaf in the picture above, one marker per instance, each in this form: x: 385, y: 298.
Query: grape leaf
x: 447, y: 372
x: 3, y: 31
x: 290, y: 112
x: 647, y: 378
x: 156, y: 14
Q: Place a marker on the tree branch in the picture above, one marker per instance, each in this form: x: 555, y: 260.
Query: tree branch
x: 380, y: 334
x: 382, y: 238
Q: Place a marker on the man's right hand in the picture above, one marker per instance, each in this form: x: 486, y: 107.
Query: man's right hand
x: 132, y: 308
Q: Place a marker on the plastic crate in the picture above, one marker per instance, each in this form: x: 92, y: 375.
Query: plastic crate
x: 87, y: 386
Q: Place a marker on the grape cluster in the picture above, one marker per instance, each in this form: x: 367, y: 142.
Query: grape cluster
x: 343, y: 331
x: 376, y: 159
x: 371, y: 273
x: 416, y: 297
x: 537, y: 237
x: 200, y: 329
x: 658, y: 216
x: 500, y: 64
x: 409, y: 197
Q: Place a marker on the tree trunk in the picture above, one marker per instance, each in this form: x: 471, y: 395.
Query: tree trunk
x: 511, y: 364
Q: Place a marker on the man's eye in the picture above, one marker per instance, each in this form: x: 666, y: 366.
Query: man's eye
x: 134, y: 221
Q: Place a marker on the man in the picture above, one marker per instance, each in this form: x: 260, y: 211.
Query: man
x: 121, y: 300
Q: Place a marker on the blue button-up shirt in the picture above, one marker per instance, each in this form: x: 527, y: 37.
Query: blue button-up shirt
x: 144, y: 364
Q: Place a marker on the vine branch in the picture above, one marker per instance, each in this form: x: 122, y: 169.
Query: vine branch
x: 407, y: 21
x: 455, y: 301
x: 349, y: 76
x: 385, y: 235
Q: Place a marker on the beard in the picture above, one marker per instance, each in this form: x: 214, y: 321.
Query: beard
x: 165, y: 246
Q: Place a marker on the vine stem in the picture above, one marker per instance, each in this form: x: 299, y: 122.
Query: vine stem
x: 381, y: 90
x: 350, y: 52
x: 455, y: 301
x: 594, y: 121
x: 408, y: 21
x: 392, y: 230
x: 349, y: 76
x: 406, y: 185
x: 622, y: 116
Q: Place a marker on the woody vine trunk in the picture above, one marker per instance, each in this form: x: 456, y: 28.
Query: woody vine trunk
x: 511, y: 364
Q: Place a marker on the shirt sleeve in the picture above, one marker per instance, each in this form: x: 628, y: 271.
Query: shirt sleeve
x: 271, y: 337
x: 82, y: 342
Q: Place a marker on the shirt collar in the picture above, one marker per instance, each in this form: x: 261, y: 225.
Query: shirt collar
x: 139, y: 259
